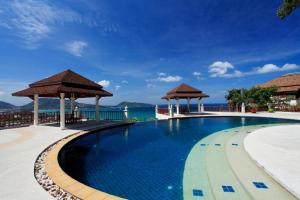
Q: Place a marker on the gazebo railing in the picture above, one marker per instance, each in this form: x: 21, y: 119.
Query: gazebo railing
x: 115, y: 115
x: 164, y: 111
x: 18, y: 119
x: 15, y: 119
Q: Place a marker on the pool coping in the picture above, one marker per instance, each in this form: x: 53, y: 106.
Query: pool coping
x: 62, y: 181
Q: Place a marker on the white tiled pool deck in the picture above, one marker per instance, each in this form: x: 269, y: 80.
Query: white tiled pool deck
x: 277, y: 150
x: 20, y: 147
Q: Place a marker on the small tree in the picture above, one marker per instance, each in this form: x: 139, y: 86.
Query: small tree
x: 287, y: 7
x: 235, y: 97
x: 256, y: 97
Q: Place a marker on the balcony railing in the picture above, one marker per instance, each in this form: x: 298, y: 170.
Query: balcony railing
x: 18, y: 119
x: 10, y: 119
x: 117, y: 115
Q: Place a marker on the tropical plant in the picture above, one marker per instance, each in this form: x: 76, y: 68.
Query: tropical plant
x: 287, y: 7
x: 235, y: 97
x: 256, y: 97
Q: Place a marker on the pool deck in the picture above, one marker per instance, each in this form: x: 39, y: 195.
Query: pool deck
x: 19, y: 148
x: 277, y: 150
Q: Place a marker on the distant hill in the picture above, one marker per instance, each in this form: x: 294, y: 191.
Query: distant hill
x: 6, y: 106
x: 133, y: 104
x: 53, y: 104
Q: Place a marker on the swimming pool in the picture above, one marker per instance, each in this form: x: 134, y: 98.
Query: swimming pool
x: 144, y: 160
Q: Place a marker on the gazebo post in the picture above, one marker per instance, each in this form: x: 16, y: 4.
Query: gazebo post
x: 72, y: 101
x: 199, y: 105
x: 97, y: 108
x: 188, y: 104
x: 62, y: 111
x: 169, y: 105
x: 36, y: 110
x: 177, y: 106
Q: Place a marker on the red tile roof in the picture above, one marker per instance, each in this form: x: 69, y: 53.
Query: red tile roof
x: 285, y: 83
x: 67, y: 82
x: 184, y: 91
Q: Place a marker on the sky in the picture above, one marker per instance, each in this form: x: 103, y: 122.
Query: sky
x: 140, y: 49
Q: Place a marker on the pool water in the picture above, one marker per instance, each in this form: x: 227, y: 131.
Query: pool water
x: 145, y: 160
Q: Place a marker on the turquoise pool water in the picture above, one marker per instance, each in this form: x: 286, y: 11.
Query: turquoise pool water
x: 145, y: 160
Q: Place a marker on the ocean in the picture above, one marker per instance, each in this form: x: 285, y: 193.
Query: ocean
x: 134, y: 113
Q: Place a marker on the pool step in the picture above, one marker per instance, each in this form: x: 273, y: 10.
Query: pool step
x: 218, y: 167
x: 224, y: 183
x: 195, y: 173
x: 249, y: 174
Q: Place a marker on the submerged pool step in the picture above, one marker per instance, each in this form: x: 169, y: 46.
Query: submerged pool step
x: 223, y: 181
x: 258, y: 183
x: 219, y: 168
x: 195, y: 173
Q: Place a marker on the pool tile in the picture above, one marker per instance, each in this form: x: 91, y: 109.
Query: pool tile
x: 198, y: 193
x: 234, y: 144
x: 217, y: 144
x: 260, y: 185
x: 227, y: 188
x: 202, y: 144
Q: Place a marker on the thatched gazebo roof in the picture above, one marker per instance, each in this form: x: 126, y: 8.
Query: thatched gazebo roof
x: 184, y: 91
x: 68, y: 82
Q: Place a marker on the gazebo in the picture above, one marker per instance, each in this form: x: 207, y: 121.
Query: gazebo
x: 187, y: 92
x: 66, y: 84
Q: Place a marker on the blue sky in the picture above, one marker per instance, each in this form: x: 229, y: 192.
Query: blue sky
x: 140, y: 49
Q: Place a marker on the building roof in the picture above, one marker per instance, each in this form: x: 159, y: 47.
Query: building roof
x: 184, y: 91
x: 286, y: 83
x: 67, y: 82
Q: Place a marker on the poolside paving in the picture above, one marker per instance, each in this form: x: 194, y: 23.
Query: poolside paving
x: 19, y: 148
x: 277, y: 150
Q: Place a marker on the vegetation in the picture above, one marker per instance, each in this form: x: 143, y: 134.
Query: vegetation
x: 287, y: 7
x: 256, y: 97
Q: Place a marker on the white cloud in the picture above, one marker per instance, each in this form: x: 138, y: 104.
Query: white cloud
x: 34, y: 21
x: 76, y: 47
x: 117, y: 87
x: 274, y: 68
x: 219, y: 68
x: 162, y: 77
x: 104, y: 83
x: 124, y: 82
x: 150, y: 85
x: 197, y: 75
x: 170, y: 78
